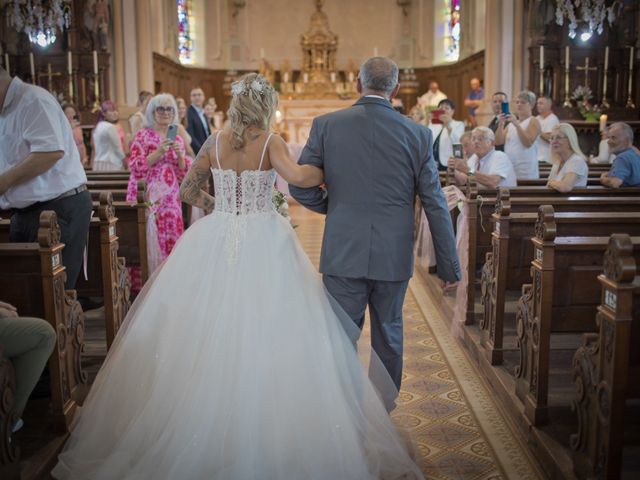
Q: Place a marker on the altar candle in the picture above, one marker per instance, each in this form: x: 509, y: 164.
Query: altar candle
x: 69, y: 63
x: 375, y: 51
x: 351, y: 76
x: 333, y: 77
x: 6, y: 62
x: 95, y: 62
x: 631, y: 58
x: 285, y: 77
x: 606, y: 60
x: 541, y: 57
x: 566, y: 57
x: 603, y: 122
x: 305, y: 77
x: 32, y: 66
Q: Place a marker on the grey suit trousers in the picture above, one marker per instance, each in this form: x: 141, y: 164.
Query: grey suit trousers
x: 385, y: 299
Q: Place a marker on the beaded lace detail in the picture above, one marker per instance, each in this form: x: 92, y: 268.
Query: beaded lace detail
x: 239, y: 195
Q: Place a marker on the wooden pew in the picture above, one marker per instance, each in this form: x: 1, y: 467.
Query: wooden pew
x: 107, y: 275
x: 562, y: 298
x: 9, y: 453
x: 32, y: 278
x: 507, y: 266
x: 480, y: 208
x: 607, y: 367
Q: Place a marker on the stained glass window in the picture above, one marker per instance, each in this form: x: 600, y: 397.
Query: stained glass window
x: 452, y: 40
x: 185, y: 31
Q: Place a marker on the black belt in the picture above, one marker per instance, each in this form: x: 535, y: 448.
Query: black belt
x: 37, y: 205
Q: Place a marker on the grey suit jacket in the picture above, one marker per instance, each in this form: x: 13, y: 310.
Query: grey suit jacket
x: 375, y: 162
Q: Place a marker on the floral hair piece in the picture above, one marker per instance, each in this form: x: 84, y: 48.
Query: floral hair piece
x: 240, y: 87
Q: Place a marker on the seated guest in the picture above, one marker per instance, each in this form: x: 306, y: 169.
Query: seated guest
x: 467, y: 145
x: 28, y: 343
x: 162, y: 163
x: 209, y: 112
x: 518, y: 133
x: 490, y: 168
x: 569, y: 166
x: 604, y: 155
x: 446, y: 131
x: 136, y: 121
x: 109, y: 154
x: 548, y: 120
x: 625, y: 171
x: 72, y: 115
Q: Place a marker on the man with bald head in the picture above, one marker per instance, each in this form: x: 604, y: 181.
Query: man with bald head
x: 375, y: 162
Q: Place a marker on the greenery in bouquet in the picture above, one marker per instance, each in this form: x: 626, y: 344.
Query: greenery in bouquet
x: 282, y: 205
x: 582, y: 96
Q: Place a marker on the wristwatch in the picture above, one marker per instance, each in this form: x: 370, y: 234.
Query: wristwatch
x: 470, y: 173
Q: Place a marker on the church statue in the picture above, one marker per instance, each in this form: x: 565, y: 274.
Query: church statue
x: 101, y: 20
x: 319, y: 45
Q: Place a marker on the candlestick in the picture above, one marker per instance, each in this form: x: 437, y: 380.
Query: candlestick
x: 603, y: 122
x: 333, y: 77
x: 630, y: 58
x: 567, y: 102
x: 95, y: 62
x: 541, y: 57
x: 541, y: 70
x: 6, y: 63
x: 630, y: 83
x: 32, y: 67
x: 69, y: 63
x: 350, y: 76
x: 305, y: 77
x: 605, y: 103
x: 285, y: 77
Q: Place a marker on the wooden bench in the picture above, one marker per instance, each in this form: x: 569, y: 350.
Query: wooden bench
x: 607, y: 366
x: 562, y: 298
x: 32, y: 278
x: 507, y: 266
x: 9, y: 453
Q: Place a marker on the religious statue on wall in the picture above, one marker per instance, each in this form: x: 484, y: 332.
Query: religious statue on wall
x: 97, y: 20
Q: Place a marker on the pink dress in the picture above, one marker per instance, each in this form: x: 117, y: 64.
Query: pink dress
x: 163, y: 184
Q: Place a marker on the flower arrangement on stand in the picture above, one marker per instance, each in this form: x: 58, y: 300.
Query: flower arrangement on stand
x: 582, y: 96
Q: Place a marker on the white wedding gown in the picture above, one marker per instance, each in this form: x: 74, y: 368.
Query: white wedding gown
x: 233, y: 365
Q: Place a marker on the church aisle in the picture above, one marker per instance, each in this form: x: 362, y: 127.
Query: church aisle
x: 444, y: 404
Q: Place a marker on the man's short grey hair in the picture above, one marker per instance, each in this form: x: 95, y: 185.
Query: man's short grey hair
x: 627, y: 131
x: 162, y: 99
x: 379, y: 74
x: 484, y: 132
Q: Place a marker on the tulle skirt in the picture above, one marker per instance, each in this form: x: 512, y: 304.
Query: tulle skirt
x: 232, y: 364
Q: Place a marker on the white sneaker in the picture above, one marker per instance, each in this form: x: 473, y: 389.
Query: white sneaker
x: 19, y: 424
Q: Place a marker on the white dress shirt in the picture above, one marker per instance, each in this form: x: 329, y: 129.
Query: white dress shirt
x: 494, y: 163
x: 447, y: 139
x: 108, y: 148
x: 546, y: 125
x: 31, y: 120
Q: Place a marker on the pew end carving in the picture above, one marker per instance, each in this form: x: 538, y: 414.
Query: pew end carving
x: 9, y: 453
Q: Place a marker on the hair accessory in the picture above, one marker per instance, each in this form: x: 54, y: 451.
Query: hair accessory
x: 241, y: 88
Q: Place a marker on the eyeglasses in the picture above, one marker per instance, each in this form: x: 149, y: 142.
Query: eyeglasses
x: 161, y: 110
x: 558, y: 137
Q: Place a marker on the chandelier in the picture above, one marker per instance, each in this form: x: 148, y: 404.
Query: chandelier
x: 591, y: 12
x: 41, y: 19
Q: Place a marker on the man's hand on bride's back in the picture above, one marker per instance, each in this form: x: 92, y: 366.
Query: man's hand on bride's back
x: 303, y: 176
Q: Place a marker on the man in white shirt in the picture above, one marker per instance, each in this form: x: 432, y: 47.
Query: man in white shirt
x: 432, y: 98
x: 40, y: 170
x: 548, y: 120
x: 490, y: 168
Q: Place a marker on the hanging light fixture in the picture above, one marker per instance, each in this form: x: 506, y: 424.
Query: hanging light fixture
x: 41, y: 20
x: 592, y: 12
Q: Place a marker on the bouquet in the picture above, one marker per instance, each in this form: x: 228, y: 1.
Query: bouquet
x: 282, y: 206
x: 582, y: 95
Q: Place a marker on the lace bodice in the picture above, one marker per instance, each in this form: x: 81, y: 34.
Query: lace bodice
x: 249, y: 192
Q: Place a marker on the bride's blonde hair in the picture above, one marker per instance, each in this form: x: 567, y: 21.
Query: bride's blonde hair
x: 253, y: 102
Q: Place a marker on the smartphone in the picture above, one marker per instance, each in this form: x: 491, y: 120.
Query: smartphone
x: 172, y: 132
x: 505, y: 108
x: 435, y: 116
x: 457, y: 150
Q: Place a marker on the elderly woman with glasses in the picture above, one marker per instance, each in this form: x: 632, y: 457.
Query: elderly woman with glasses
x: 569, y: 165
x: 162, y: 163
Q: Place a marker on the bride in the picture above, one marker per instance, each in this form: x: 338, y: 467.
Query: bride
x: 233, y: 363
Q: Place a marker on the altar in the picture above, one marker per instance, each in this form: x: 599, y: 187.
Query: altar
x: 295, y: 116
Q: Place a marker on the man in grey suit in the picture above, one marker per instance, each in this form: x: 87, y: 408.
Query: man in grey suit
x: 375, y: 162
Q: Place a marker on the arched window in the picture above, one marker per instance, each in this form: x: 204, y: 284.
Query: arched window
x: 452, y: 40
x: 185, y: 31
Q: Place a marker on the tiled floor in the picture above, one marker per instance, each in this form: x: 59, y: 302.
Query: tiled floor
x: 456, y: 438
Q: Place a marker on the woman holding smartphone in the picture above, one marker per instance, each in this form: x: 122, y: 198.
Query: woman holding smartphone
x: 446, y: 131
x: 158, y: 157
x: 518, y: 133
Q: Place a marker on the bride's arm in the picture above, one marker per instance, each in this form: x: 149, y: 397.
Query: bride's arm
x: 191, y: 189
x: 299, y: 175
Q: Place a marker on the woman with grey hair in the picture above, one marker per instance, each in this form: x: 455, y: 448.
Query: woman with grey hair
x: 161, y: 162
x: 518, y: 133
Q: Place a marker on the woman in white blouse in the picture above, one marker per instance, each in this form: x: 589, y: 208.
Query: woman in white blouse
x: 518, y: 133
x: 569, y: 166
x: 109, y: 154
x: 445, y: 133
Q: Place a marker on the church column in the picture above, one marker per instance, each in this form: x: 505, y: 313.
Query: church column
x: 118, y: 53
x: 143, y: 37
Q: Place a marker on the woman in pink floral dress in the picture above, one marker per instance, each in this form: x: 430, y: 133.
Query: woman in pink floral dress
x: 162, y: 163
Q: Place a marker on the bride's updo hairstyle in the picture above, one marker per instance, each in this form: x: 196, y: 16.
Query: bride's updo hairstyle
x: 253, y: 102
